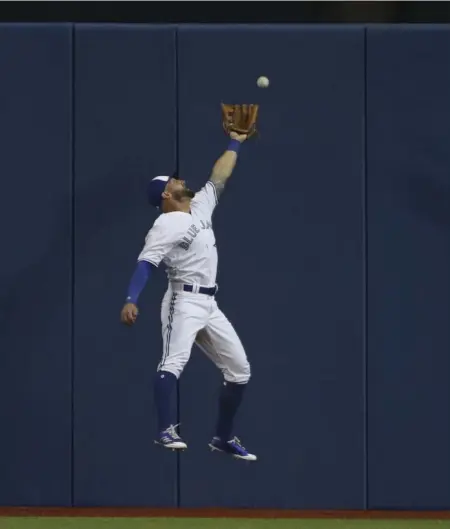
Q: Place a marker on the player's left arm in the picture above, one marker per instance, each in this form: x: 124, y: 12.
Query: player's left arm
x: 224, y: 166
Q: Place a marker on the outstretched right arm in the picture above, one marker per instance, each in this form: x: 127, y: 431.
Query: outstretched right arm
x: 207, y: 198
x: 224, y: 166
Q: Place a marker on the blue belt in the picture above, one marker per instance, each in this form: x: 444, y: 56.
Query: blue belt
x: 211, y: 291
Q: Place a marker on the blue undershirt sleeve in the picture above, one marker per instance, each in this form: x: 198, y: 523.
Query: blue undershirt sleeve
x: 138, y: 281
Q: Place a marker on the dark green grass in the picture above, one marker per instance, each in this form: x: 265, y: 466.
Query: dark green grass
x: 216, y: 523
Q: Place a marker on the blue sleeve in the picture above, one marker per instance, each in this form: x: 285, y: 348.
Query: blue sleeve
x: 138, y: 281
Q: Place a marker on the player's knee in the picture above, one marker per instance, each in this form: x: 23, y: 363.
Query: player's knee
x: 246, y: 373
x: 240, y: 375
x: 174, y: 365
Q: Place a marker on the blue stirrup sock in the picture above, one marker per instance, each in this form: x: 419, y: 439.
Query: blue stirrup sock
x: 165, y: 383
x: 229, y: 401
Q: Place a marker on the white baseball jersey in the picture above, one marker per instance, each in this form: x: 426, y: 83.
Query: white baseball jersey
x: 185, y: 242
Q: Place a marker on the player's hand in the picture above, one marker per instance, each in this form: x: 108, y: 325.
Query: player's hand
x: 238, y: 137
x: 129, y: 314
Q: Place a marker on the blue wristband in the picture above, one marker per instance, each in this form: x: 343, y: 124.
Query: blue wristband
x: 234, y: 145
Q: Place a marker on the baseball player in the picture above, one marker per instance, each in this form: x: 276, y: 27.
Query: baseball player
x: 183, y: 240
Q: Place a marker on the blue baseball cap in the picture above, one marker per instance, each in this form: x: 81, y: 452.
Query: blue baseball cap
x: 155, y: 189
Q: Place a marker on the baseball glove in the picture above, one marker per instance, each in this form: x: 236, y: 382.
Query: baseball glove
x: 240, y: 119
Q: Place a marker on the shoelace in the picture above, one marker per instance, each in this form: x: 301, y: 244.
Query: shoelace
x: 237, y: 442
x: 172, y: 432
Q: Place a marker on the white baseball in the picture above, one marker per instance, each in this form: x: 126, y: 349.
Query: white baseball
x: 262, y: 82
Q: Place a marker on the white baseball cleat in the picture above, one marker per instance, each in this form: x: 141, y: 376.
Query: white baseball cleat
x: 170, y: 439
x: 233, y: 448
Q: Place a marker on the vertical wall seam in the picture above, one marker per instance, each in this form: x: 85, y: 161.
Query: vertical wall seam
x: 365, y: 281
x: 177, y: 168
x: 72, y: 285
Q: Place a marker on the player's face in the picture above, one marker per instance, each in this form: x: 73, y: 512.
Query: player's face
x: 178, y: 189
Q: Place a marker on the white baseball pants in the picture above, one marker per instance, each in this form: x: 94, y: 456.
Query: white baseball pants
x: 188, y: 317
